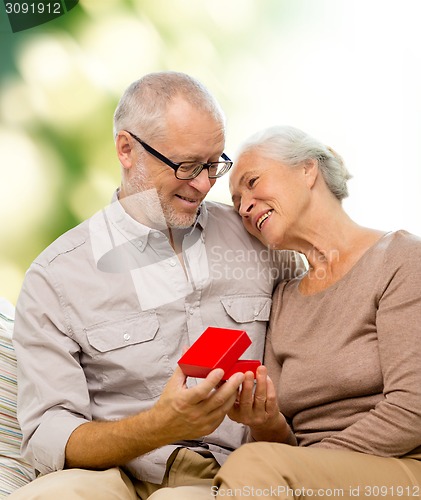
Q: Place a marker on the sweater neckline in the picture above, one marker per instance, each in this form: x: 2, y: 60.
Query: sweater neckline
x: 384, y: 239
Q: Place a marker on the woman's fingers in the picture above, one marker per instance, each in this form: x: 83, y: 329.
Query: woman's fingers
x: 260, y: 393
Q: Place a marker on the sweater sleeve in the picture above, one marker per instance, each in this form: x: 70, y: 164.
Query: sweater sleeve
x: 393, y: 427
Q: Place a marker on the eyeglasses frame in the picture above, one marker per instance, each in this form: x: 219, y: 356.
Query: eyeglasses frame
x: 176, y: 166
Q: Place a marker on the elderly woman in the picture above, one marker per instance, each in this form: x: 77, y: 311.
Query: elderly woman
x: 340, y: 413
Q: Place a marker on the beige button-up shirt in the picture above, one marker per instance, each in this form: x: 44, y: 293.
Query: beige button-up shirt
x: 106, y: 310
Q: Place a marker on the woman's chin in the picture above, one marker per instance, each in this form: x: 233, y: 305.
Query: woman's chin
x: 270, y: 243
x: 265, y: 241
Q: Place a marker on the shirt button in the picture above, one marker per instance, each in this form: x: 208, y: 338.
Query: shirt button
x: 126, y: 336
x: 156, y: 235
x: 256, y: 313
x: 172, y: 262
x: 191, y: 311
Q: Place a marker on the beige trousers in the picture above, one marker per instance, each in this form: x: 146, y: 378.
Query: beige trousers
x: 270, y: 470
x: 256, y: 470
x: 187, y: 469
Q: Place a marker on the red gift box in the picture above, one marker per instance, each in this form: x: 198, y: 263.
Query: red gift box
x: 218, y: 348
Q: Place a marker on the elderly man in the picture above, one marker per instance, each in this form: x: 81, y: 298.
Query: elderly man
x: 107, y: 310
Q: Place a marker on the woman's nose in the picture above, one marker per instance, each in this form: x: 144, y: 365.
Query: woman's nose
x: 246, y: 207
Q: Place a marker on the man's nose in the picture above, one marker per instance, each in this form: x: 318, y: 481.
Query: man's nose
x: 202, y: 182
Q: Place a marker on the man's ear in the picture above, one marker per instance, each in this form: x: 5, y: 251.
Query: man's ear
x: 123, y: 145
x: 311, y: 171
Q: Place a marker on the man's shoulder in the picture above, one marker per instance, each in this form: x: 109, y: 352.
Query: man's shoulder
x: 218, y: 212
x: 220, y: 207
x: 226, y: 225
x: 67, y: 243
x: 223, y: 222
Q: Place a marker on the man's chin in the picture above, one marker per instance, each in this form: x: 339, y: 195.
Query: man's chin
x: 181, y: 225
x: 179, y: 221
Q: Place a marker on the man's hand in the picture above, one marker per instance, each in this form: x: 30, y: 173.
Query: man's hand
x: 188, y: 413
x: 181, y: 413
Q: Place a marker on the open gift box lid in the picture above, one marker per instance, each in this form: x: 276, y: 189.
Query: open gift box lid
x: 218, y: 348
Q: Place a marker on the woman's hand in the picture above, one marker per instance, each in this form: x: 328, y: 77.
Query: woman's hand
x: 256, y: 407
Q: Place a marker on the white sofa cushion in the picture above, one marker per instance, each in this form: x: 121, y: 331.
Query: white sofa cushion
x: 14, y: 471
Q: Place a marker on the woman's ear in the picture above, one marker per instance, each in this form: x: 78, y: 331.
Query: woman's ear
x: 311, y: 171
x: 123, y: 145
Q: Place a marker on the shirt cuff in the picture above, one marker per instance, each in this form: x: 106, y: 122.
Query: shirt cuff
x: 47, y: 446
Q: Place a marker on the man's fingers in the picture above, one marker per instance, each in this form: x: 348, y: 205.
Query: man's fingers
x: 205, y: 387
x: 226, y: 394
x: 223, y: 399
x: 177, y: 379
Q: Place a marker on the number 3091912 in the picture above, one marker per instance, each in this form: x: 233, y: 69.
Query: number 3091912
x: 33, y: 8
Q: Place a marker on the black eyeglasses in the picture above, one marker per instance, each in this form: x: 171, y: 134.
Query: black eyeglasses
x: 189, y: 169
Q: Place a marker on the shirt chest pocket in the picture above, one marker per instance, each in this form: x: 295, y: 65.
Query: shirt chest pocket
x: 250, y: 313
x: 115, y: 335
x: 128, y: 356
x: 248, y: 308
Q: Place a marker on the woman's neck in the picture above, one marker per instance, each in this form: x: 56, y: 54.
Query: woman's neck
x: 334, y: 250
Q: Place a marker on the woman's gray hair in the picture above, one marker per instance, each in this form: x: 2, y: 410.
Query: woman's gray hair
x: 292, y: 146
x: 143, y: 106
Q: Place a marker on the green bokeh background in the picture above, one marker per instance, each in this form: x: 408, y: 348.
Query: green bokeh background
x: 267, y: 61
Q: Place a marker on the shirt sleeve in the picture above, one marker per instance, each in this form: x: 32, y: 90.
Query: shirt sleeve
x: 53, y: 397
x: 393, y: 427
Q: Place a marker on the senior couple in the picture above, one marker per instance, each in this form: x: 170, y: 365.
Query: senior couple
x: 107, y: 310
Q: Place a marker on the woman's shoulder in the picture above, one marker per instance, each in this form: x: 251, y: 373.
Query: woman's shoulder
x: 399, y: 257
x: 403, y: 245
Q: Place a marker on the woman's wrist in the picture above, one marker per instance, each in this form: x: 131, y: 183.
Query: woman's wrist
x: 279, y: 432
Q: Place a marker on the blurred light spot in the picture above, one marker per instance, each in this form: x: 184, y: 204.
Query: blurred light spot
x: 61, y: 91
x: 92, y: 194
x: 27, y: 183
x: 122, y: 49
x: 240, y: 13
x: 94, y: 7
x: 11, y: 278
x: 15, y: 103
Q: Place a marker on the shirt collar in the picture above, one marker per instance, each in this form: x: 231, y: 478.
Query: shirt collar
x: 132, y: 229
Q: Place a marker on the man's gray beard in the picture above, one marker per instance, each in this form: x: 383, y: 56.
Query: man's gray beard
x: 148, y: 204
x: 161, y: 216
x: 178, y: 221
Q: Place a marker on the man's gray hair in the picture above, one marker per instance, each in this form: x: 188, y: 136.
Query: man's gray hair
x: 292, y: 147
x: 143, y: 105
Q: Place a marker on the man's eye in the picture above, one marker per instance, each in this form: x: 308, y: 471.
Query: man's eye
x: 188, y: 167
x: 251, y: 182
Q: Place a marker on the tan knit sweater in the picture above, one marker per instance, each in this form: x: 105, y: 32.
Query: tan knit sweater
x: 347, y: 361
